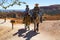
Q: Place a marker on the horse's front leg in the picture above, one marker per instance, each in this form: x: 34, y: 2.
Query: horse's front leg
x: 37, y: 27
x: 34, y: 27
x: 25, y: 26
x: 28, y: 27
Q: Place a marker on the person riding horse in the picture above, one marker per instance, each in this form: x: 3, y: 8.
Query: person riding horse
x: 27, y: 18
x: 36, y: 17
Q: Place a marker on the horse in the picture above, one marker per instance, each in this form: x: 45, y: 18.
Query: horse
x: 36, y: 20
x: 27, y: 21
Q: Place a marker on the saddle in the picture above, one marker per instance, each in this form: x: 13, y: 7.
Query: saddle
x: 34, y: 16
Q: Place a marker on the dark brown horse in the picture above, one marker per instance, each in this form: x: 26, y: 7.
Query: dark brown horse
x: 36, y: 21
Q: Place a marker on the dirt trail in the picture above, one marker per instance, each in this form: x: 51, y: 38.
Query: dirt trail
x: 49, y: 30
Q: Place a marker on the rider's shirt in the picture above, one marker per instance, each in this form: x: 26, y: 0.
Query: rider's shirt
x: 35, y: 11
x: 27, y: 10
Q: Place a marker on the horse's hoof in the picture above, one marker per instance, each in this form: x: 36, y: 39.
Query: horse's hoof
x: 34, y: 30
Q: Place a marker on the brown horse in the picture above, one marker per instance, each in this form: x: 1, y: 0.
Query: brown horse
x: 27, y: 21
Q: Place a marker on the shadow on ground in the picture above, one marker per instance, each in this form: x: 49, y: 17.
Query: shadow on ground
x: 20, y: 32
x: 28, y: 35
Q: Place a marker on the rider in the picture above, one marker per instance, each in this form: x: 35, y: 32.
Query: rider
x: 27, y: 17
x: 36, y: 13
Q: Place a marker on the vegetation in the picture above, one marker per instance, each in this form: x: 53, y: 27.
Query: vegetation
x: 7, y: 3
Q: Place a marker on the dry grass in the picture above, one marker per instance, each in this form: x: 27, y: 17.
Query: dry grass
x: 52, y: 17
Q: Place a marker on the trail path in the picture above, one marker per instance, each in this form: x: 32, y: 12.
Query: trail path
x: 48, y: 30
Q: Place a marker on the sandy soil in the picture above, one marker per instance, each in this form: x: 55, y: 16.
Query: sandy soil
x: 48, y: 30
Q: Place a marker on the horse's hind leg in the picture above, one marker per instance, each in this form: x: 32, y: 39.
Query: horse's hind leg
x: 37, y: 27
x: 25, y: 27
x: 34, y: 29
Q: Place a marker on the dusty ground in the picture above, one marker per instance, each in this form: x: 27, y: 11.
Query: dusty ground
x: 49, y: 30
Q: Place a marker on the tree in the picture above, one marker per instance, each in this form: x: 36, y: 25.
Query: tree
x: 7, y: 3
